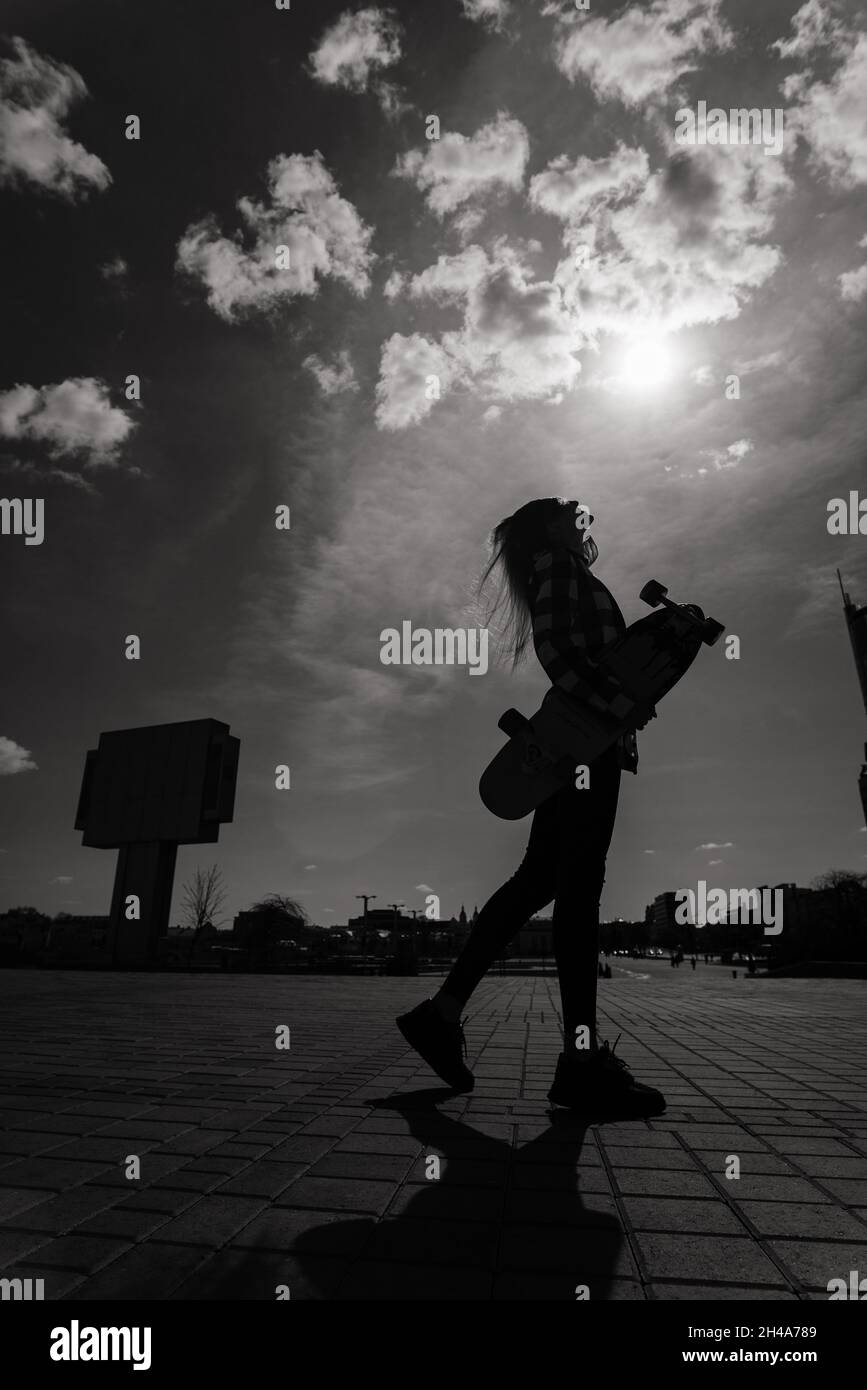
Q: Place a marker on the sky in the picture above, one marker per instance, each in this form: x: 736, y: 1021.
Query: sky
x: 551, y: 298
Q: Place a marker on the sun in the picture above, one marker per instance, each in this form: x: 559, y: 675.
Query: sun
x: 646, y: 363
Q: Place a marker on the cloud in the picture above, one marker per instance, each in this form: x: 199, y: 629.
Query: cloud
x: 760, y: 364
x: 853, y: 284
x: 356, y: 46
x: 640, y: 55
x: 729, y: 457
x: 682, y: 247
x: 335, y: 376
x: 458, y: 169
x: 569, y: 189
x: 391, y: 99
x: 63, y: 878
x: 116, y: 269
x: 831, y: 116
x: 72, y: 417
x: 712, y: 845
x: 35, y: 95
x: 405, y: 392
x: 703, y: 375
x: 815, y: 27
x: 14, y: 758
x: 324, y: 234
x: 516, y: 340
x: 424, y: 888
x: 490, y: 12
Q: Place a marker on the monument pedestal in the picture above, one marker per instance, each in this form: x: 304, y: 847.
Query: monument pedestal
x: 146, y: 871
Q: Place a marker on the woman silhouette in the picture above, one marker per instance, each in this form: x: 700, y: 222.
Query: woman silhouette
x: 545, y: 557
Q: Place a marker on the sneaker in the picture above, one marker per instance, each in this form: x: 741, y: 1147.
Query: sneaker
x: 441, y: 1044
x: 599, y: 1083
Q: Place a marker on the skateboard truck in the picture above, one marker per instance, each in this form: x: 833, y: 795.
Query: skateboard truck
x: 515, y: 725
x: 655, y: 593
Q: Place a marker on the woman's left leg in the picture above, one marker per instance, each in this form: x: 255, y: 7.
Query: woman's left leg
x: 585, y: 828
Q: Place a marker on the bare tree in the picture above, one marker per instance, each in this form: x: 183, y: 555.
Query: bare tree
x: 274, y: 917
x: 204, y: 896
x: 840, y: 878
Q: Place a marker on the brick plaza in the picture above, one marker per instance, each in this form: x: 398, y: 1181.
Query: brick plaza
x: 307, y: 1169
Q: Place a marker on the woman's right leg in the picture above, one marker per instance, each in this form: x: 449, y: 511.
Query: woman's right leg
x: 433, y: 1028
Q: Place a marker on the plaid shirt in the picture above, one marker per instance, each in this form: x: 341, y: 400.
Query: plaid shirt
x: 574, y: 618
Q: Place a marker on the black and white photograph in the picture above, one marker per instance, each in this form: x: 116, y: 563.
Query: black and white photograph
x: 433, y: 780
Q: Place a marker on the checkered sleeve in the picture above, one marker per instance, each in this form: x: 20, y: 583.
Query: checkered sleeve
x: 572, y: 618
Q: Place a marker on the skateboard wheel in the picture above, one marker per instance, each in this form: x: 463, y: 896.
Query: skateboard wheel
x: 513, y: 723
x: 713, y: 631
x: 653, y: 593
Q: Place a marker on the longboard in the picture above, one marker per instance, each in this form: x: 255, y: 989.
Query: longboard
x: 543, y: 752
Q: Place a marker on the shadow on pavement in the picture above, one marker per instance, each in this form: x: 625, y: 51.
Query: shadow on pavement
x: 498, y: 1221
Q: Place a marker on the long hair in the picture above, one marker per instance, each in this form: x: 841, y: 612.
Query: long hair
x: 513, y: 544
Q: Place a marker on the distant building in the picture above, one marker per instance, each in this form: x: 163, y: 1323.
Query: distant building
x: 536, y: 938
x: 662, y: 927
x: 856, y: 622
x: 822, y: 924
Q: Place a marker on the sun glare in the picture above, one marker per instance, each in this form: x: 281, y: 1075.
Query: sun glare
x: 646, y: 364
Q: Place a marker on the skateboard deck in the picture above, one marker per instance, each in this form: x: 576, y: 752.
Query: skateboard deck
x: 543, y: 752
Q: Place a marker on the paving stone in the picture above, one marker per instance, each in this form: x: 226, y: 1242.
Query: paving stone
x: 715, y: 1293
x: 232, y: 1275
x: 14, y: 1200
x: 385, y: 1282
x: 148, y: 1271
x: 340, y: 1194
x: 431, y: 1199
x: 710, y: 1258
x: 212, y: 1221
x: 263, y: 1179
x: 57, y: 1175
x: 320, y: 1234
x: 803, y: 1222
x: 674, y: 1214
x: 550, y: 1288
x: 83, y: 1254
x: 14, y: 1245
x: 122, y: 1224
x: 56, y: 1215
x: 816, y: 1262
x: 642, y: 1181
x: 463, y: 1244
x: 590, y: 1209
x: 584, y: 1254
x: 382, y: 1167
